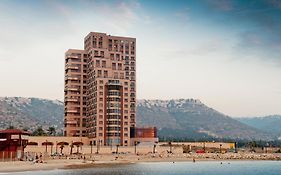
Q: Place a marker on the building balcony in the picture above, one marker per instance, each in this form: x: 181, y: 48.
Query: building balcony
x: 71, y: 67
x: 72, y: 56
x: 113, y: 96
x: 70, y: 122
x: 113, y: 131
x: 113, y: 82
x: 72, y: 89
x: 113, y: 119
x: 72, y: 111
x: 71, y: 99
x: 71, y: 78
x: 113, y: 113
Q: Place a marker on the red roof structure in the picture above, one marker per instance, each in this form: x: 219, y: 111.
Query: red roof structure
x: 12, y: 143
x: 14, y: 131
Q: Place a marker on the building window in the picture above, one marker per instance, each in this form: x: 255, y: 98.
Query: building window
x: 103, y: 63
x: 105, y: 73
x: 99, y: 73
x: 112, y: 56
x: 113, y: 66
x: 115, y: 75
x: 119, y: 66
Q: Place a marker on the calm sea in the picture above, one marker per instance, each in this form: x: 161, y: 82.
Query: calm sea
x: 177, y: 168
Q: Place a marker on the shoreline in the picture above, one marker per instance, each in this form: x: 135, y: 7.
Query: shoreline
x: 100, y: 161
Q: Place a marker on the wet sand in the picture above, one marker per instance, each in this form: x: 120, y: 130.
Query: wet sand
x: 106, y: 160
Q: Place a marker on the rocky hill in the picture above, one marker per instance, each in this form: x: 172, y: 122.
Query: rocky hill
x: 189, y: 118
x: 29, y: 113
x: 271, y: 124
x: 181, y: 119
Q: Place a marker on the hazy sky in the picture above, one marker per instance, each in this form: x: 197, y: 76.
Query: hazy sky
x: 225, y: 53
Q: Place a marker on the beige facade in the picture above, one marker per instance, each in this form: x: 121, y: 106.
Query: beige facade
x: 107, y: 90
x: 38, y: 146
x: 75, y: 93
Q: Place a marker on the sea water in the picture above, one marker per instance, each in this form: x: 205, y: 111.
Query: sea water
x: 174, y: 168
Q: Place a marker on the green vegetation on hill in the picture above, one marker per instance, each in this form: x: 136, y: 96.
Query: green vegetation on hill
x: 183, y: 119
x: 269, y: 124
x: 189, y: 118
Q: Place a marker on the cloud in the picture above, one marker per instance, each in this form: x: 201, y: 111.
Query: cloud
x: 223, y: 5
x: 274, y: 3
x: 257, y: 25
x: 183, y: 14
x: 202, y: 49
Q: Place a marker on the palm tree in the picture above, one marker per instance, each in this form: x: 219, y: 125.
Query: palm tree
x: 25, y: 129
x: 52, y: 131
x: 39, y: 132
x: 11, y: 127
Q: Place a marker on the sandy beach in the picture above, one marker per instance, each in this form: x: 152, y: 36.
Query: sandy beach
x: 101, y: 160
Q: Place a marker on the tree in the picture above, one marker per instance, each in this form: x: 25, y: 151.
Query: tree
x: 11, y: 127
x: 25, y: 129
x: 52, y: 131
x: 39, y: 132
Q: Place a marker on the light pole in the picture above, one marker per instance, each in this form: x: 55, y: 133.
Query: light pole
x: 154, y: 148
x: 46, y: 149
x: 56, y: 147
x: 117, y: 146
x: 204, y: 147
x: 136, y: 147
x: 91, y: 144
x: 170, y: 144
x: 98, y: 145
x: 220, y: 147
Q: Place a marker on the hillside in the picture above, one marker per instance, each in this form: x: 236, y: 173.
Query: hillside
x: 183, y: 118
x: 29, y: 113
x: 268, y: 123
x: 188, y: 118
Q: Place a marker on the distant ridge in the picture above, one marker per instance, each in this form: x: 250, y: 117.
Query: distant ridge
x: 271, y: 123
x: 190, y: 118
x: 177, y: 118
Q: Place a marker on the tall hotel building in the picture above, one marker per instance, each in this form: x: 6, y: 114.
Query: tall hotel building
x: 100, y: 89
